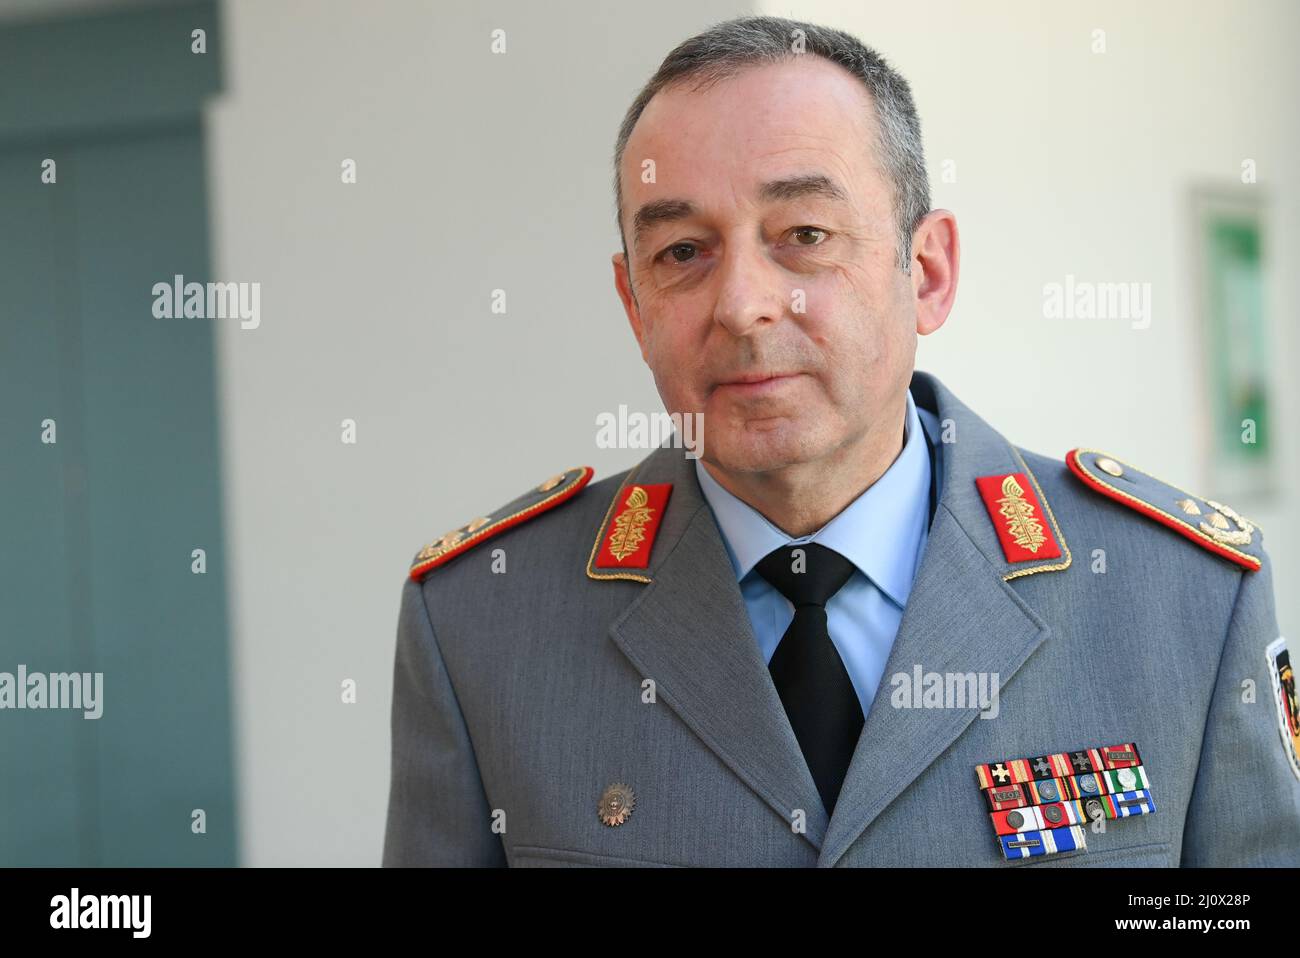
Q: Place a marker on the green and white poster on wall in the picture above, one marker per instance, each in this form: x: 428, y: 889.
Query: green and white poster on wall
x: 1232, y: 273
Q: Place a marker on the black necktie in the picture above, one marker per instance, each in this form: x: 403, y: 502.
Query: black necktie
x: 812, y: 681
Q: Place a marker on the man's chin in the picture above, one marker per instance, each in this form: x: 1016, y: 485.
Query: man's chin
x: 761, y: 453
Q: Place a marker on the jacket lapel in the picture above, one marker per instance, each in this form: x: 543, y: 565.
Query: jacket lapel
x: 688, y: 630
x: 961, y: 616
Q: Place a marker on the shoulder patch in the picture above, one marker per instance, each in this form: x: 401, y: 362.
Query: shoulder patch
x: 553, y: 492
x: 1284, y: 694
x: 1210, y: 524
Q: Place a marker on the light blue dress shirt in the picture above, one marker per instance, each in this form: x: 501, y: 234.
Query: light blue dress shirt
x: 883, y: 533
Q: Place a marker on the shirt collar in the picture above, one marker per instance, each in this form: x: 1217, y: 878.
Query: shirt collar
x: 882, y: 532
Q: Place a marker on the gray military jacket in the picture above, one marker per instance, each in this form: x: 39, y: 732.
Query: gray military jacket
x: 528, y: 680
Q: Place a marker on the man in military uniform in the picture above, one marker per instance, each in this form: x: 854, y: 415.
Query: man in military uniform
x: 863, y: 628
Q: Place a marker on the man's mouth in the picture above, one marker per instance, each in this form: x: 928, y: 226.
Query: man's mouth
x: 756, y: 384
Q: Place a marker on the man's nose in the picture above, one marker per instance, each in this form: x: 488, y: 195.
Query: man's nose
x: 751, y: 293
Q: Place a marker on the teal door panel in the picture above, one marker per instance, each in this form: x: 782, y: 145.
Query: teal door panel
x: 100, y: 527
x: 45, y: 758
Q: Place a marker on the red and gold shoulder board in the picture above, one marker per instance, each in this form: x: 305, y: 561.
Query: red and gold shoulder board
x: 1209, y: 524
x: 553, y: 492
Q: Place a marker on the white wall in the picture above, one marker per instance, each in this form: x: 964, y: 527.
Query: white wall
x: 479, y: 172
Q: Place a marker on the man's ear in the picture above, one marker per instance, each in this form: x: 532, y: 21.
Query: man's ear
x: 936, y: 261
x: 623, y: 283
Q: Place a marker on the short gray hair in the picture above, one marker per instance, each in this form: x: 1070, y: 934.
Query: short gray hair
x: 726, y: 48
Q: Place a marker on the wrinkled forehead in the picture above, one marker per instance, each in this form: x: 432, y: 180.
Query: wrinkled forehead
x: 723, y: 143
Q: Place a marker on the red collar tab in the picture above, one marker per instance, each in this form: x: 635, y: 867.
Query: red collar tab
x: 1209, y: 524
x: 631, y: 529
x: 1018, y: 517
x: 553, y: 492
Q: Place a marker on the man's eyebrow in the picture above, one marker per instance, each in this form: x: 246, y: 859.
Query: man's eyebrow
x: 804, y: 184
x: 787, y: 188
x: 659, y: 211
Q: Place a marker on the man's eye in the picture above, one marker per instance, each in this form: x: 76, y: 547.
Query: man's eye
x: 805, y: 230
x: 675, y: 250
